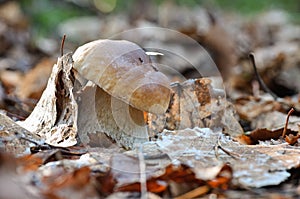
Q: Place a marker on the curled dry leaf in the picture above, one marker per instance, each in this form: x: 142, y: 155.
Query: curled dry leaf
x: 55, y: 116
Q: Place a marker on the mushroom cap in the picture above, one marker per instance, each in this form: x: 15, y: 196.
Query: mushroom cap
x: 123, y: 70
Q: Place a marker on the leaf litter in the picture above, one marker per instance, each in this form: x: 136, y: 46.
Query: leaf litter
x: 192, y: 156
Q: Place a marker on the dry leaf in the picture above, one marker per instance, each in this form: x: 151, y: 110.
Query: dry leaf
x: 74, y: 184
x: 55, y: 116
x: 14, y: 183
x: 253, y: 165
x: 34, y: 81
x: 274, y: 120
x: 126, y: 174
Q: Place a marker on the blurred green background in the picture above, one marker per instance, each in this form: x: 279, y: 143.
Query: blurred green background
x: 46, y: 14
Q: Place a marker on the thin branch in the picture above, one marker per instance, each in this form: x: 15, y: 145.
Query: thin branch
x: 230, y: 153
x: 31, y: 141
x: 143, y: 178
x: 62, y: 45
x: 200, y: 191
x: 259, y: 79
x: 287, y: 121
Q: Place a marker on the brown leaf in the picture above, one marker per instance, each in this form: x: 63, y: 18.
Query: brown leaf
x: 223, y: 179
x: 75, y: 184
x: 153, y: 186
x: 264, y: 134
x: 77, y: 179
x: 250, y: 107
x: 13, y: 180
x: 106, y: 183
x: 30, y: 162
x: 292, y: 139
x: 35, y: 81
x: 180, y: 174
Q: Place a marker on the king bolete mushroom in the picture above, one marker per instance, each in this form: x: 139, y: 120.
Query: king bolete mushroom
x: 128, y: 85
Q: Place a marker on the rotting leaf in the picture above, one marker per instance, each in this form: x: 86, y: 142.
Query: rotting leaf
x: 250, y: 107
x: 255, y: 166
x: 30, y: 162
x: 55, y: 116
x: 105, y: 183
x: 74, y: 184
x: 223, y: 179
x: 125, y: 174
x: 76, y: 179
x: 14, y: 182
x: 180, y: 174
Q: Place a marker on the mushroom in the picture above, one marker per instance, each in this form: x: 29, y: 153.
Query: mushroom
x: 127, y: 85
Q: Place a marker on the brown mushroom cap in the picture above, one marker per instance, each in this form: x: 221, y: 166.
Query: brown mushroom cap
x: 123, y: 70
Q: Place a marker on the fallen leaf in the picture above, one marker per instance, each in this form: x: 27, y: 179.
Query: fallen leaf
x: 74, y: 184
x: 34, y: 81
x: 54, y: 118
x: 253, y: 166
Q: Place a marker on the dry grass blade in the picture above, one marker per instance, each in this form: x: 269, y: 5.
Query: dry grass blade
x: 287, y: 121
x: 259, y: 79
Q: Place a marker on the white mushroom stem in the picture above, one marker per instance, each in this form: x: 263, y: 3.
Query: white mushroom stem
x: 119, y: 120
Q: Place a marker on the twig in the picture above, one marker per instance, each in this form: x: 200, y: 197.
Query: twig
x: 31, y: 141
x: 287, y: 121
x: 143, y: 179
x: 259, y: 79
x: 219, y: 146
x: 62, y: 45
x: 195, y: 193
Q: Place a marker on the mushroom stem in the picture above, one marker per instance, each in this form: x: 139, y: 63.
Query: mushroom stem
x: 120, y: 121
